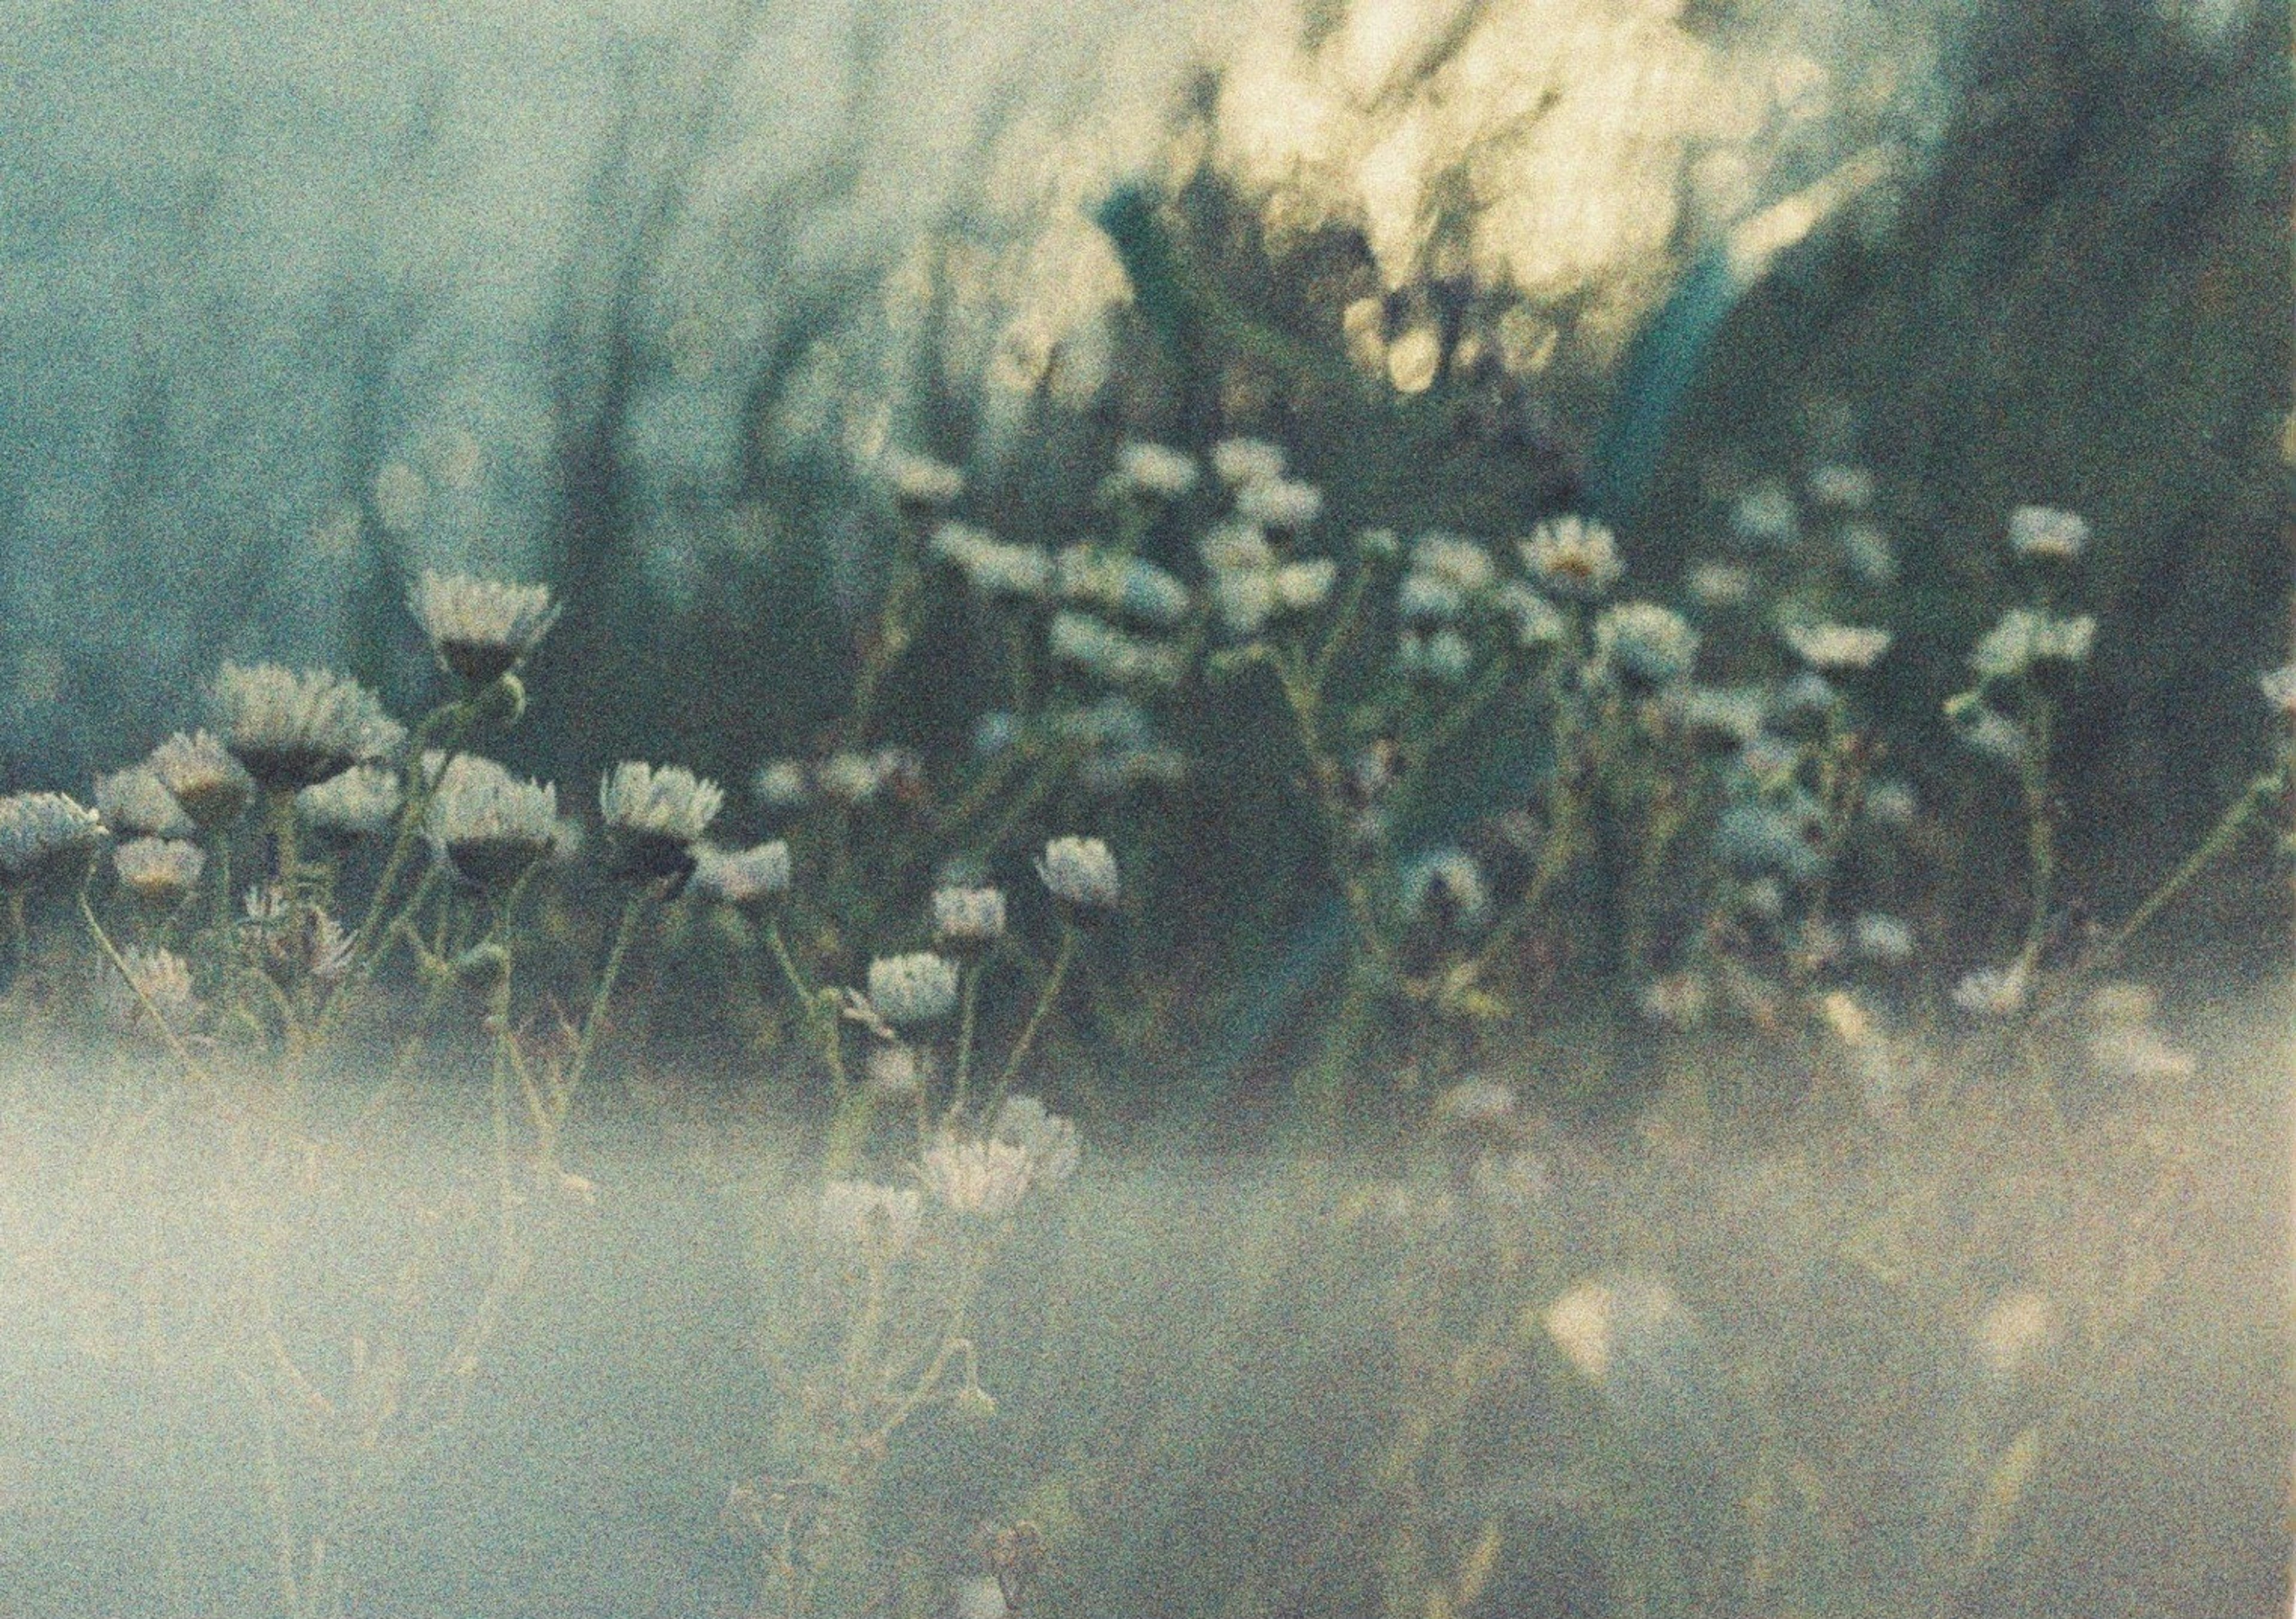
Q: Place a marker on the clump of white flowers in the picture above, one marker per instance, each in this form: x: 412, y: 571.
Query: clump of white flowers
x: 920, y: 481
x: 1646, y: 643
x: 363, y: 802
x: 994, y: 569
x: 1825, y: 645
x: 158, y: 871
x: 2026, y: 636
x: 1154, y: 470
x: 967, y: 920
x: 135, y: 803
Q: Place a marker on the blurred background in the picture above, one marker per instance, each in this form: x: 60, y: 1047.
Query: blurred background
x: 635, y: 297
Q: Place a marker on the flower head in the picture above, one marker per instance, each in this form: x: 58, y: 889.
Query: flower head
x: 156, y: 980
x: 2279, y: 689
x: 1573, y: 556
x: 1458, y: 561
x: 1448, y: 888
x: 1443, y: 658
x: 1282, y: 503
x: 1247, y: 461
x: 968, y: 919
x: 213, y: 787
x: 2046, y: 533
x: 1992, y: 992
x: 43, y: 834
x: 482, y: 629
x: 1841, y: 485
x: 1049, y: 1141
x: 1647, y: 643
x: 135, y: 803
x: 654, y: 816
x: 360, y: 803
x: 1080, y: 873
x: 489, y: 826
x: 911, y: 989
x: 294, y: 728
x: 985, y: 1178
x: 994, y: 570
x: 1155, y: 470
x: 920, y: 481
x: 1824, y: 645
x: 161, y: 871
x: 2025, y: 637
x: 746, y: 878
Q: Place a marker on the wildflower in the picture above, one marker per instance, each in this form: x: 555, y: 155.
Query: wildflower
x: 1537, y: 622
x: 489, y: 827
x: 1244, y: 598
x: 326, y: 946
x: 360, y: 803
x: 1676, y: 1001
x: 1574, y: 556
x: 482, y: 629
x: 985, y: 1178
x: 1784, y: 838
x: 160, y: 977
x: 919, y: 988
x: 1766, y: 515
x: 849, y: 777
x: 1867, y: 548
x: 1301, y: 587
x: 213, y: 787
x: 294, y: 728
x: 1460, y: 562
x: 1836, y: 484
x: 1428, y: 599
x: 1732, y: 715
x: 1718, y: 584
x: 2025, y: 637
x: 1156, y: 470
x: 1985, y: 728
x: 2011, y: 1330
x: 1824, y: 645
x: 655, y: 817
x: 1645, y: 642
x: 1049, y: 1141
x: 1247, y: 461
x: 1891, y: 803
x: 895, y: 1068
x: 135, y: 803
x: 920, y: 482
x: 1885, y: 939
x: 1606, y: 1327
x: 862, y: 1216
x: 782, y: 784
x: 2046, y: 533
x: 1080, y: 873
x: 994, y: 732
x: 1992, y: 992
x: 1443, y: 658
x: 2279, y: 688
x: 1447, y: 887
x: 994, y: 570
x: 968, y: 919
x: 1282, y: 503
x: 1101, y: 650
x: 1378, y: 546
x: 1150, y: 594
x: 761, y: 873
x: 161, y: 871
x: 42, y: 834
x: 1236, y: 547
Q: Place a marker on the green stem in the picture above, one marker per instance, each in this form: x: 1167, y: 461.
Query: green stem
x: 594, y: 1021
x: 1053, y: 980
x: 104, y: 940
x: 964, y: 1022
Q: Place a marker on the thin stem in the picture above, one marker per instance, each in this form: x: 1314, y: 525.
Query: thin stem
x: 964, y: 1022
x: 150, y: 1009
x: 594, y: 1021
x: 1061, y: 960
